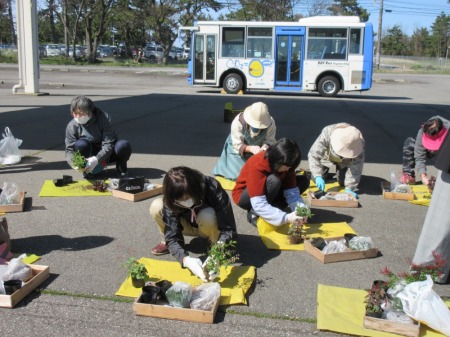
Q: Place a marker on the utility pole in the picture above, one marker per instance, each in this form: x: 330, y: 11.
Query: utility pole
x: 380, y: 27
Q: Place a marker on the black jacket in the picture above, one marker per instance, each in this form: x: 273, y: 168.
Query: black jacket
x: 213, y: 196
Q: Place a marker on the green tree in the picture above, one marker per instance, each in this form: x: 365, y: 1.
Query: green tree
x: 395, y: 42
x: 264, y: 10
x: 420, y: 40
x: 440, y: 35
x: 349, y: 7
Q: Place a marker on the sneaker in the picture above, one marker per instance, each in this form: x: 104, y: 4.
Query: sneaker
x: 407, y: 179
x: 160, y: 249
x: 252, y: 218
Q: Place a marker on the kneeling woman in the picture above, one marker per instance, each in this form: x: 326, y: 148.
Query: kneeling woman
x: 192, y: 205
x: 268, y: 184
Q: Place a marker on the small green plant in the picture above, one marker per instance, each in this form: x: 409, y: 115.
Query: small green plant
x: 137, y: 270
x: 220, y: 254
x: 304, y: 212
x: 416, y: 272
x: 100, y: 185
x: 78, y: 160
x: 375, y: 297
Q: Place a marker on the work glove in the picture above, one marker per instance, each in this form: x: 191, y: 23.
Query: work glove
x: 294, y: 218
x: 212, y: 275
x: 195, y: 266
x: 320, y: 183
x: 255, y: 149
x: 352, y: 193
x: 91, y: 164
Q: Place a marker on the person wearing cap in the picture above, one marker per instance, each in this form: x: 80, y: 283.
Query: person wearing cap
x: 269, y: 187
x: 417, y: 150
x: 342, y: 145
x: 252, y: 131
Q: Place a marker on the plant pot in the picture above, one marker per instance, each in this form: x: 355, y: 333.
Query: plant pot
x: 164, y: 285
x: 150, y: 294
x: 137, y: 283
x: 318, y: 194
x: 319, y: 243
x: 295, y: 240
x: 348, y: 237
x: 374, y: 314
x: 12, y: 286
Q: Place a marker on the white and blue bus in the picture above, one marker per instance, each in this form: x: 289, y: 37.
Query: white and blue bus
x: 323, y: 53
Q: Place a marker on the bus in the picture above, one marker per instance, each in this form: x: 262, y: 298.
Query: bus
x: 325, y: 54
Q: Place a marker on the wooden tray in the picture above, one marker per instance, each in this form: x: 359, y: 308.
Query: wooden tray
x: 163, y: 310
x: 40, y: 274
x: 410, y: 330
x: 138, y: 196
x: 353, y: 203
x: 385, y: 187
x: 14, y: 207
x: 338, y: 257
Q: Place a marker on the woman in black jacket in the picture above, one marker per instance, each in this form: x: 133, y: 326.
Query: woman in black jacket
x: 192, y: 205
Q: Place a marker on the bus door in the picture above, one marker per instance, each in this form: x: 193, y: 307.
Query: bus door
x: 289, y: 56
x: 205, y: 58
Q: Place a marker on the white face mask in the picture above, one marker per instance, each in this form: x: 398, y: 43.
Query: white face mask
x: 186, y: 203
x: 82, y: 119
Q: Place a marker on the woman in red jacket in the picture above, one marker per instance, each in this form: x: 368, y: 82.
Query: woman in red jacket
x: 268, y: 184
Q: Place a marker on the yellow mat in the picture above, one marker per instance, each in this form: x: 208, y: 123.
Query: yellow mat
x: 330, y: 187
x: 421, y: 194
x: 276, y: 237
x: 235, y: 281
x: 342, y: 310
x: 80, y: 188
x: 227, y: 184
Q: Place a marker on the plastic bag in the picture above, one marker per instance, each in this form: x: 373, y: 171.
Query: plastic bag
x: 10, y: 194
x: 5, y: 241
x: 17, y: 270
x: 360, y: 243
x: 335, y: 247
x: 205, y: 295
x: 422, y: 303
x: 394, y: 180
x: 9, y: 148
x: 179, y: 295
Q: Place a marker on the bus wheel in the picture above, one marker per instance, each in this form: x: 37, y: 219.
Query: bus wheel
x: 232, y: 84
x: 329, y: 86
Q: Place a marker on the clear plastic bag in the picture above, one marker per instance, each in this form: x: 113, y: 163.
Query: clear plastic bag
x: 17, y: 270
x: 343, y: 197
x: 10, y: 194
x: 205, y: 295
x: 9, y: 148
x: 335, y: 247
x: 394, y: 180
x: 179, y: 295
x: 360, y: 243
x: 422, y: 303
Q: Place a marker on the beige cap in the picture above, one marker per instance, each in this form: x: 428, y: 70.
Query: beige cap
x: 257, y: 115
x: 347, y: 141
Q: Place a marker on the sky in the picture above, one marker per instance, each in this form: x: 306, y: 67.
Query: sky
x: 408, y: 14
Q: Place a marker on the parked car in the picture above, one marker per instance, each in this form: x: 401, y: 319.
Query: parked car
x: 104, y: 51
x: 186, y: 53
x: 42, y: 51
x: 178, y: 53
x: 153, y: 52
x: 79, y: 51
x: 53, y: 50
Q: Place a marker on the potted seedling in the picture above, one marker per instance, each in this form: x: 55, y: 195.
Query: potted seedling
x: 100, y: 185
x: 137, y: 272
x: 78, y: 161
x: 220, y: 254
x: 374, y: 299
x: 296, y: 231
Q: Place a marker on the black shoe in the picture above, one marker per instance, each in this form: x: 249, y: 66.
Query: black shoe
x: 252, y: 218
x: 122, y: 171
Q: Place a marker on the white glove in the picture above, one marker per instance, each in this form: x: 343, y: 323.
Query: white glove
x: 294, y: 218
x: 91, y: 164
x: 195, y: 266
x: 255, y: 149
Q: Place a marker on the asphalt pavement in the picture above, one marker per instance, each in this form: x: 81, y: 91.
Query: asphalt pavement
x: 86, y: 240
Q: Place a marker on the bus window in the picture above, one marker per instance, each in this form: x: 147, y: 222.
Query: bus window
x: 233, y: 42
x: 259, y: 42
x: 355, y: 41
x: 327, y: 43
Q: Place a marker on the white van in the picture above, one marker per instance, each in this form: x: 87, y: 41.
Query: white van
x: 186, y: 53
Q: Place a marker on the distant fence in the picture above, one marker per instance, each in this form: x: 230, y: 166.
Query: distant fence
x: 411, y: 62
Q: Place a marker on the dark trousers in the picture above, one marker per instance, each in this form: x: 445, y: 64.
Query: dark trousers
x: 120, y: 155
x: 409, y: 163
x: 274, y: 192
